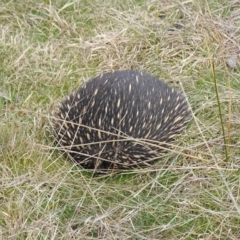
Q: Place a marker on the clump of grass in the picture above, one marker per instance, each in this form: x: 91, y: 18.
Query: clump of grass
x: 49, y: 48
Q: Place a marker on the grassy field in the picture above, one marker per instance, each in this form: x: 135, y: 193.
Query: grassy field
x: 48, y: 48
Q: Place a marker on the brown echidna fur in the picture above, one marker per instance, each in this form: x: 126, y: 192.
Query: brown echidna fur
x: 119, y: 119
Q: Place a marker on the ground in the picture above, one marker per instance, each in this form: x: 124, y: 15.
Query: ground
x: 48, y: 48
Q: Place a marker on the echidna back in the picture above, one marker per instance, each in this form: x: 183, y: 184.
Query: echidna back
x: 120, y: 119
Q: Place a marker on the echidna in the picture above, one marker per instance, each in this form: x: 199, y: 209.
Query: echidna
x: 119, y: 119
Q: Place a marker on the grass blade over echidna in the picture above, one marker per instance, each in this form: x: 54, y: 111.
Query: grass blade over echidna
x: 119, y: 119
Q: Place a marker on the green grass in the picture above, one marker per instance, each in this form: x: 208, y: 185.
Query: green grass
x: 48, y: 48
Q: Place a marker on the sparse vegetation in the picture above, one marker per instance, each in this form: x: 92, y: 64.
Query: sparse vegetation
x: 48, y: 48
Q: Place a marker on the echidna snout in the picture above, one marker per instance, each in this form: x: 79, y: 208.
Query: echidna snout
x: 119, y: 119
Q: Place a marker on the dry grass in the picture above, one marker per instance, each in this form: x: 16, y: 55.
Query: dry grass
x: 49, y: 48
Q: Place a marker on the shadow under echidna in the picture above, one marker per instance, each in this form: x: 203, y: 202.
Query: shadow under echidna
x: 120, y: 119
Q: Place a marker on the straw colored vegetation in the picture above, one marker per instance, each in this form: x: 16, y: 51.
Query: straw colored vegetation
x: 48, y: 48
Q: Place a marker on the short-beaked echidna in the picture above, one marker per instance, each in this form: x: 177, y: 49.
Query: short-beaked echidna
x: 119, y: 119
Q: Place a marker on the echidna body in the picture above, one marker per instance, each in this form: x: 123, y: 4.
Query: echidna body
x: 119, y: 119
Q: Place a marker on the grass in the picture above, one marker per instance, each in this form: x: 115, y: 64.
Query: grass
x: 48, y: 48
